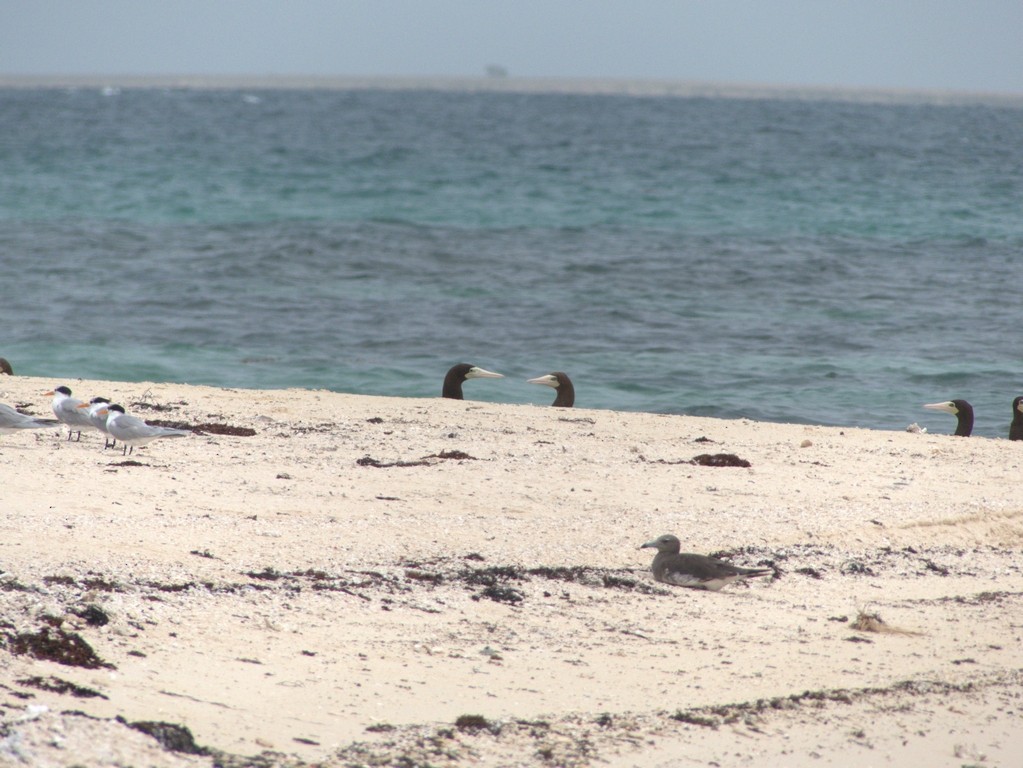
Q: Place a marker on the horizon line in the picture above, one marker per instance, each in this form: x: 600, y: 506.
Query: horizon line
x: 621, y: 86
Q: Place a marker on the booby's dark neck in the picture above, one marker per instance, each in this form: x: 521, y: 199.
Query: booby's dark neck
x: 566, y: 392
x: 452, y: 387
x: 1016, y: 427
x: 453, y: 381
x: 964, y: 427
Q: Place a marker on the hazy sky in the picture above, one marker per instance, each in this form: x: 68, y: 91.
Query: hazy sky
x: 971, y: 45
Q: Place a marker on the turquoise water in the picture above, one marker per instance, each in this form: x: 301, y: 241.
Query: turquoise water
x: 811, y: 261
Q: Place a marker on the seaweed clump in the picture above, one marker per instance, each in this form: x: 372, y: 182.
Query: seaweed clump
x: 54, y: 644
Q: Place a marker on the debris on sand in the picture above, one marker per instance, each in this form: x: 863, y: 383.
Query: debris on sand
x: 872, y: 622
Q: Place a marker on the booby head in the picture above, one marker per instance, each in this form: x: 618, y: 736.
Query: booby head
x: 462, y: 372
x: 559, y: 381
x: 1016, y: 427
x: 962, y: 410
x: 666, y: 543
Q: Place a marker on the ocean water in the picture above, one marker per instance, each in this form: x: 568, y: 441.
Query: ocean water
x: 793, y: 260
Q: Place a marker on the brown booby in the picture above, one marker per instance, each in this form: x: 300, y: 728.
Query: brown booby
x: 461, y: 372
x: 962, y: 410
x: 694, y: 571
x: 561, y: 383
x: 1016, y: 427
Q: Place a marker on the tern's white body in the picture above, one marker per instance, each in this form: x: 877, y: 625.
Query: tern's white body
x: 98, y: 420
x: 133, y: 431
x: 12, y: 421
x: 66, y: 409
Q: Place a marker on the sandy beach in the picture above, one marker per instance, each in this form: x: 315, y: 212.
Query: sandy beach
x: 321, y: 578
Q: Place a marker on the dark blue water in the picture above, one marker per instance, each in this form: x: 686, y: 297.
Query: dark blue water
x: 804, y: 261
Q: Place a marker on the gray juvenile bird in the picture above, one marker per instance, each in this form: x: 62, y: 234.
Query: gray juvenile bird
x: 694, y: 571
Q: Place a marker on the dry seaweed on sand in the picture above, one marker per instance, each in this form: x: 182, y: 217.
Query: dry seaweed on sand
x: 54, y: 644
x: 707, y: 460
x: 425, y: 461
x: 206, y: 428
x: 720, y: 460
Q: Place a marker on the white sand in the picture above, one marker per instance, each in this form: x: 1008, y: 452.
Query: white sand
x: 274, y: 596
